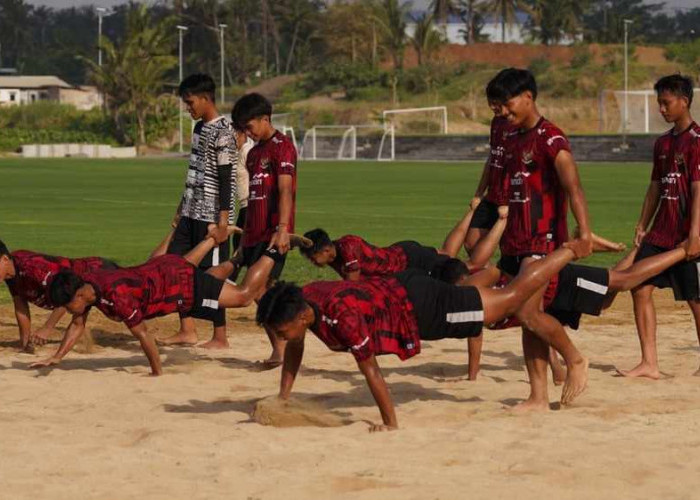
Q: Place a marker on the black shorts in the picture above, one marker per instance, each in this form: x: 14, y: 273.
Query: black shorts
x: 685, y: 280
x: 510, y: 264
x: 252, y: 254
x: 188, y: 234
x: 485, y: 215
x: 207, y: 289
x: 442, y: 310
x: 580, y: 290
x: 240, y: 222
x: 419, y: 256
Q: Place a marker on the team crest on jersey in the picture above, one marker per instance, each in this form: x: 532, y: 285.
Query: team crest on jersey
x: 680, y: 160
x: 265, y: 163
x: 527, y: 158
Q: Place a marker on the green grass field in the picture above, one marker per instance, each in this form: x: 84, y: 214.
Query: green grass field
x: 122, y: 209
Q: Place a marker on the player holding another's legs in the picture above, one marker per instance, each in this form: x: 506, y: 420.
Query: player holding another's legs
x: 28, y: 275
x: 392, y: 314
x: 542, y: 176
x: 272, y: 167
x: 209, y: 196
x: 674, y: 197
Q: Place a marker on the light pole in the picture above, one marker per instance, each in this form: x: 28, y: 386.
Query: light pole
x: 222, y: 27
x: 181, y: 31
x: 101, y: 12
x: 627, y: 23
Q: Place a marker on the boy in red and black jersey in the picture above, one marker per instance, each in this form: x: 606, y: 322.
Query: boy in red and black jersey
x: 542, y: 176
x: 272, y: 170
x: 391, y: 315
x: 28, y: 276
x: 674, y: 197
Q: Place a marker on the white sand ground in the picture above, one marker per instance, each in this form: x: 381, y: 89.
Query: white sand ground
x: 97, y: 427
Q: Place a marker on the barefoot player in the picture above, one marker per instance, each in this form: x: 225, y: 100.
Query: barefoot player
x: 674, y: 197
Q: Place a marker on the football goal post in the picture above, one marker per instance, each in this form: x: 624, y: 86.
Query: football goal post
x: 341, y: 142
x: 641, y: 111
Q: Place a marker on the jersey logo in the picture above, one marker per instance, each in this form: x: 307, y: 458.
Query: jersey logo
x: 265, y: 163
x: 680, y: 160
x: 527, y: 159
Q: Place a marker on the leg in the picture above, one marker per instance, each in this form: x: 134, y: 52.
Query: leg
x: 252, y: 288
x: 457, y: 236
x: 474, y: 346
x: 483, y: 251
x: 535, y: 351
x: 628, y: 274
x: 186, y: 336
x: 695, y: 309
x: 162, y: 247
x: 645, y: 318
x: 474, y: 235
x: 219, y: 339
x: 199, y: 252
x: 558, y: 371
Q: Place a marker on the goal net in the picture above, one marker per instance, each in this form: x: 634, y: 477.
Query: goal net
x: 342, y: 142
x: 642, y: 112
x: 413, y: 121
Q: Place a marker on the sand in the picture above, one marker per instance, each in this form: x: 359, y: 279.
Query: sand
x: 98, y: 427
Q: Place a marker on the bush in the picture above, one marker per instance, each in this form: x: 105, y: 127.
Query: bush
x: 345, y: 76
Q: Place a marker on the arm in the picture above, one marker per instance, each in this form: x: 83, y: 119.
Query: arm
x: 693, y: 249
x: 352, y: 275
x: 42, y: 334
x: 148, y: 344
x: 380, y: 392
x: 281, y: 237
x: 483, y: 182
x: 24, y: 320
x: 293, y: 354
x: 570, y: 181
x: 226, y: 192
x: 75, y: 330
x: 651, y: 202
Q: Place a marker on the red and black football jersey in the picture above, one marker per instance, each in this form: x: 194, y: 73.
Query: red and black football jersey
x: 676, y: 167
x: 497, y: 182
x: 372, y: 316
x: 355, y: 254
x: 536, y: 201
x: 163, y: 285
x: 266, y: 162
x: 34, y: 272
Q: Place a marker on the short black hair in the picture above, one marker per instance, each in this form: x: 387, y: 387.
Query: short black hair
x: 3, y: 249
x: 249, y: 107
x: 64, y: 287
x: 280, y: 304
x: 678, y: 85
x: 198, y: 84
x: 509, y: 83
x: 449, y: 270
x: 320, y: 240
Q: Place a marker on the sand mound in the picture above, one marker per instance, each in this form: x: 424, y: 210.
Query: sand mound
x: 293, y: 413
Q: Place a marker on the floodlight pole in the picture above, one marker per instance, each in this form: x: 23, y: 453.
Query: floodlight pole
x: 101, y: 11
x: 222, y: 27
x: 627, y: 22
x: 181, y: 31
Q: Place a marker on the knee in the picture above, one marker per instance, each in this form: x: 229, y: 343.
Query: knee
x: 529, y: 318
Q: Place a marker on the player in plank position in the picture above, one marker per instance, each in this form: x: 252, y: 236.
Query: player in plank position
x: 392, y: 314
x: 674, y: 196
x: 164, y: 285
x: 27, y: 275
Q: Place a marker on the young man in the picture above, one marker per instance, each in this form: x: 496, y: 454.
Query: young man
x: 209, y: 196
x: 493, y: 180
x: 28, y: 275
x: 391, y: 315
x: 164, y: 285
x: 542, y: 176
x: 271, y: 204
x: 353, y: 258
x: 673, y: 196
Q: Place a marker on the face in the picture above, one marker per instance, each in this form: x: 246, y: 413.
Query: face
x: 517, y: 109
x: 321, y: 258
x: 671, y: 106
x: 79, y: 303
x: 196, y: 105
x: 295, y: 329
x: 7, y: 269
x: 258, y: 128
x: 496, y: 108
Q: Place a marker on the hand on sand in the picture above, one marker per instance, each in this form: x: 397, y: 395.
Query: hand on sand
x: 45, y: 362
x: 41, y: 336
x: 382, y: 428
x: 474, y: 202
x: 581, y: 248
x: 503, y: 212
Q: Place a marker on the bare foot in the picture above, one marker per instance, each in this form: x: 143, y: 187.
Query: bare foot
x: 576, y: 381
x: 531, y: 405
x: 558, y: 370
x: 269, y: 364
x: 215, y: 344
x: 180, y: 338
x: 643, y: 369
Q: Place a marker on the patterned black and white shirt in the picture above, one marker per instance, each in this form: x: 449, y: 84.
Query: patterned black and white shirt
x: 213, y: 147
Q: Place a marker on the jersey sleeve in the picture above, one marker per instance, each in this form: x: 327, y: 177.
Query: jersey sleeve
x: 286, y: 158
x: 127, y: 309
x: 348, y: 251
x: 555, y: 142
x: 352, y: 331
x: 694, y: 160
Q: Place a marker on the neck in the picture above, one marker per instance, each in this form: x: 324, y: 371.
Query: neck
x: 90, y: 294
x: 531, y: 120
x: 13, y: 269
x: 268, y: 133
x: 210, y: 114
x: 683, y: 123
x: 312, y: 316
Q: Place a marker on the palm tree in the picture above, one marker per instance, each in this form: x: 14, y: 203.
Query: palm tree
x: 506, y: 11
x: 441, y: 9
x: 426, y: 39
x: 555, y: 19
x: 135, y: 70
x: 390, y: 16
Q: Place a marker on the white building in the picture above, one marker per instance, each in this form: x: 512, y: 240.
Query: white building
x: 17, y: 90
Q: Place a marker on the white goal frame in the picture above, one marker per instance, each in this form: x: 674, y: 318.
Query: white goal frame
x: 649, y: 96
x: 386, y: 114
x: 348, y: 138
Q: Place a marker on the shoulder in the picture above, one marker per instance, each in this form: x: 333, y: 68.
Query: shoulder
x: 550, y: 132
x: 663, y: 138
x: 282, y: 143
